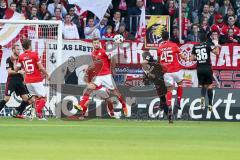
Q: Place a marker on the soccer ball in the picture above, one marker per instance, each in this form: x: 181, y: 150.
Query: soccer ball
x: 118, y: 38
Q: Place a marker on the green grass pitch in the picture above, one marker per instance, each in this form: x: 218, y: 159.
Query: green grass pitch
x: 118, y: 140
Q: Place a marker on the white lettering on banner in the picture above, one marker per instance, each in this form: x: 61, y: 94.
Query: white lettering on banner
x: 228, y: 102
x: 150, y: 109
x: 224, y: 57
x: 65, y: 102
x: 236, y: 56
x: 193, y: 108
x: 183, y: 103
x: 98, y: 106
x: 213, y: 59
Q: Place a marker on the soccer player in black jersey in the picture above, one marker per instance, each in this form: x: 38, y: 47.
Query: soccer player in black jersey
x: 153, y: 73
x: 15, y: 84
x: 202, y: 54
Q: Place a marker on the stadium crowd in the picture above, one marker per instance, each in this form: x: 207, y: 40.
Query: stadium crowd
x: 198, y: 17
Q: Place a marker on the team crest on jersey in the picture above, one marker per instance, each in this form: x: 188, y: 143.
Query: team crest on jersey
x: 187, y: 51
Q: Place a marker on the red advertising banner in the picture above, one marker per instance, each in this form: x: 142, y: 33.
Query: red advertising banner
x: 228, y: 58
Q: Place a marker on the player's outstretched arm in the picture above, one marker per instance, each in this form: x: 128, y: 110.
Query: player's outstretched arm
x: 43, y: 70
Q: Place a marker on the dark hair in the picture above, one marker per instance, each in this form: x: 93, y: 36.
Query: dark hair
x: 117, y: 10
x: 165, y: 35
x: 95, y: 39
x: 14, y: 46
x: 26, y: 44
x: 203, y: 37
x: 35, y: 7
x: 90, y: 18
x: 13, y: 3
x: 147, y: 56
x: 56, y: 9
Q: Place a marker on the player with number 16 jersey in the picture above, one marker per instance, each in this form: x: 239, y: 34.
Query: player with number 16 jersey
x: 34, y: 72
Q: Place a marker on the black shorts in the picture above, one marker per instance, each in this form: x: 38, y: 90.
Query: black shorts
x: 160, y: 87
x: 205, y: 75
x: 15, y: 86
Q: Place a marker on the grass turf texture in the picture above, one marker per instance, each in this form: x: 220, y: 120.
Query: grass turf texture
x: 118, y: 140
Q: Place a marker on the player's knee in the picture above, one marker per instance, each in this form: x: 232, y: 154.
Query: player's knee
x: 210, y: 86
x: 6, y: 98
x: 91, y: 86
x: 179, y: 83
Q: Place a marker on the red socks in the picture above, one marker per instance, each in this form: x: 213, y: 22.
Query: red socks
x: 110, y: 107
x: 169, y: 98
x: 39, y: 104
x: 122, y: 102
x: 179, y: 94
x: 84, y: 101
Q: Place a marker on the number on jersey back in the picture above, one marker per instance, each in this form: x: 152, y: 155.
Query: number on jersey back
x: 29, y: 61
x: 203, y: 53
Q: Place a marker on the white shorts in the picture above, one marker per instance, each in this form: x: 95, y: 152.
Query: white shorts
x: 171, y: 78
x: 37, y: 89
x: 106, y: 81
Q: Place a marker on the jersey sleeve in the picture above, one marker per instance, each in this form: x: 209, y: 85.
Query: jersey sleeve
x: 210, y: 46
x: 177, y: 49
x: 37, y: 58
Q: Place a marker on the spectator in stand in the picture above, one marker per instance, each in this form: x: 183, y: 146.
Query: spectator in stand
x: 44, y: 14
x: 157, y: 7
x: 223, y: 9
x: 229, y: 38
x: 122, y: 30
x: 195, y: 34
x: 186, y: 24
x: 236, y: 6
x: 214, y: 4
x: 70, y: 30
x: 212, y: 15
x: 34, y: 13
x: 205, y: 13
x: 187, y: 10
x: 219, y: 24
x: 230, y: 12
x: 204, y: 27
x: 10, y: 11
x: 103, y: 26
x: 109, y: 35
x: 54, y: 5
x: 91, y: 31
x: 32, y: 3
x: 231, y: 24
x: 171, y: 8
x: 3, y: 8
x: 175, y: 36
x: 134, y: 13
x: 23, y: 9
x: 115, y: 21
x: 76, y: 20
x: 120, y: 5
x: 58, y: 14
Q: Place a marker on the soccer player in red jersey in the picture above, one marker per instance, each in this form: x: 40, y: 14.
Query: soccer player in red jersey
x: 168, y: 53
x: 103, y: 66
x: 34, y: 72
